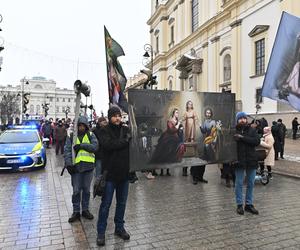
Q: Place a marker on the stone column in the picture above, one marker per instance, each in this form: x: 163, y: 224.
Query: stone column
x: 204, y: 75
x: 183, y: 76
x: 236, y: 58
x: 216, y: 65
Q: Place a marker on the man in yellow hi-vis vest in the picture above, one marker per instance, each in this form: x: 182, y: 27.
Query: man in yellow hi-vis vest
x: 82, y: 172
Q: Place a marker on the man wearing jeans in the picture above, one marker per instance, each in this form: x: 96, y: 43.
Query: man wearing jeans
x: 81, y: 172
x: 247, y: 139
x: 114, y: 139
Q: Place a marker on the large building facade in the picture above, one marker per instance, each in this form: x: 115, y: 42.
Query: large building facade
x: 217, y: 45
x: 45, y: 91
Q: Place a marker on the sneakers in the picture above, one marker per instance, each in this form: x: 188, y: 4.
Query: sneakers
x: 100, y: 240
x: 74, y: 217
x: 240, y: 209
x: 86, y: 214
x: 122, y: 234
x: 251, y: 209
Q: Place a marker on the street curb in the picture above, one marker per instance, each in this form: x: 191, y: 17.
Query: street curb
x: 287, y: 174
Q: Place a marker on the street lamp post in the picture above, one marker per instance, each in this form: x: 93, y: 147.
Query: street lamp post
x: 148, y: 59
x: 23, y: 97
x: 148, y: 63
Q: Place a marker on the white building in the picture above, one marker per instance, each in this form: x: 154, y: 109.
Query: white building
x: 45, y: 91
x: 218, y: 45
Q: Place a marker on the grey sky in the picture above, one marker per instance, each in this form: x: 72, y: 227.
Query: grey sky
x: 46, y: 38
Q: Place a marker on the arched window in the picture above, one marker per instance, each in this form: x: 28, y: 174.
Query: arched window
x: 38, y: 109
x: 31, y: 109
x: 170, y: 85
x: 38, y: 86
x: 227, y: 68
x: 195, y: 14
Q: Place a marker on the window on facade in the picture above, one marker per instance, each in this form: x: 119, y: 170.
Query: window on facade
x: 63, y: 109
x: 195, y: 14
x: 157, y: 44
x: 260, y: 57
x: 191, y: 83
x: 63, y: 99
x: 31, y: 109
x: 57, y: 99
x: 170, y: 85
x: 57, y: 109
x: 227, y: 68
x: 38, y: 109
x: 69, y: 99
x: 172, y: 34
x: 258, y: 96
x: 51, y: 99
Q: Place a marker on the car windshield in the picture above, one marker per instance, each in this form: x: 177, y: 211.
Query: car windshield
x: 25, y: 136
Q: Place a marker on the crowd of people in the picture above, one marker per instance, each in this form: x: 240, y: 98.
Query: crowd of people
x: 105, y: 148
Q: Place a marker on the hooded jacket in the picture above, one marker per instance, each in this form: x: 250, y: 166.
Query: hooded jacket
x: 92, y: 147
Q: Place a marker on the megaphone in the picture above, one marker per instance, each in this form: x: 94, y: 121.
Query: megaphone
x: 83, y: 88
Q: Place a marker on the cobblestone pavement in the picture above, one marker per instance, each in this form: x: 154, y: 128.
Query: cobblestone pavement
x: 291, y: 164
x: 165, y: 213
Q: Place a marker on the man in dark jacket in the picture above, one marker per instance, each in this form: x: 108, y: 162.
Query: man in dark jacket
x: 247, y: 139
x: 114, y: 139
x: 295, y: 125
x: 276, y: 135
x: 282, y: 133
x: 99, y: 154
x: 60, y: 137
x: 81, y: 170
x: 47, y: 131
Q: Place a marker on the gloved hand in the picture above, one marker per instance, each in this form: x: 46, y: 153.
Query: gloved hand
x: 76, y: 148
x: 71, y: 169
x: 237, y: 137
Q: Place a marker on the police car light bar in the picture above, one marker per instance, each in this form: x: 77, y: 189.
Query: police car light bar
x: 22, y: 127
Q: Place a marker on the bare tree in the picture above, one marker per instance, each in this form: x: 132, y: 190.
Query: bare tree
x: 9, y: 106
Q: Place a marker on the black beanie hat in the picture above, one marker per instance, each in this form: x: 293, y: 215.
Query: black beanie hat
x: 113, y: 111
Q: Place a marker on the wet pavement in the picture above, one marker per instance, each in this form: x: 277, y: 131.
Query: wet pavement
x: 165, y: 213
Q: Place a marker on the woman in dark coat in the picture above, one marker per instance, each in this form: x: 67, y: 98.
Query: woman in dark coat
x: 169, y: 148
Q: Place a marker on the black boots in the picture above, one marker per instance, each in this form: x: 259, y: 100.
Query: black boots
x: 101, y: 240
x: 74, y: 217
x: 251, y: 209
x: 86, y: 214
x: 184, y: 171
x: 122, y: 234
x: 248, y: 208
x: 240, y: 209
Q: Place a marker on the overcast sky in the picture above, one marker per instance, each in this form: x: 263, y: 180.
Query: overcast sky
x: 47, y: 37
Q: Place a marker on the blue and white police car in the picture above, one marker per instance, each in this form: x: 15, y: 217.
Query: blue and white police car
x: 21, y: 147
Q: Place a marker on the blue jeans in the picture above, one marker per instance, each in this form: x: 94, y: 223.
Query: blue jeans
x: 81, y: 182
x: 98, y: 165
x: 239, y: 180
x: 121, y: 198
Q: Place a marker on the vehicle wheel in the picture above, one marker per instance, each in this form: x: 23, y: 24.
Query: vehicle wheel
x: 45, y: 163
x: 264, y: 177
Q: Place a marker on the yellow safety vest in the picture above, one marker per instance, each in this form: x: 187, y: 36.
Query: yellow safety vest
x: 82, y: 154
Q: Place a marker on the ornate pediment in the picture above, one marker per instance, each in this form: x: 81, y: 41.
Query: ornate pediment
x: 258, y: 29
x: 189, y: 63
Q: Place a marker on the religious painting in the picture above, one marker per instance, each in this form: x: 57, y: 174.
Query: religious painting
x: 178, y: 129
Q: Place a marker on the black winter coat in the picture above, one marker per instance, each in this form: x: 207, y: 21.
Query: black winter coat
x: 246, y: 153
x: 115, y: 144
